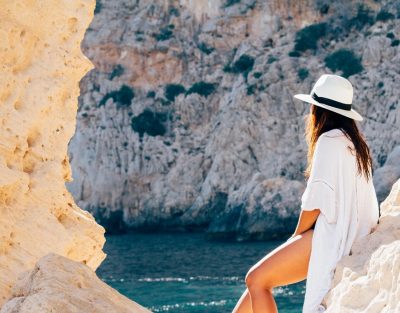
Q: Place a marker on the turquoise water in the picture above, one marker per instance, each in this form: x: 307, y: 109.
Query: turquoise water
x: 185, y: 273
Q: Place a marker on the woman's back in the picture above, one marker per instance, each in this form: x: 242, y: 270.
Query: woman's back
x: 368, y: 206
x: 349, y: 210
x: 365, y: 203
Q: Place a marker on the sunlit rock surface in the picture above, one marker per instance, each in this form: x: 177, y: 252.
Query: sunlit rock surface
x: 41, y: 65
x: 49, y: 247
x: 58, y: 284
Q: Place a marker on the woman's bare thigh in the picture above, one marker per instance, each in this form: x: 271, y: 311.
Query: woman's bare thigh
x: 286, y: 264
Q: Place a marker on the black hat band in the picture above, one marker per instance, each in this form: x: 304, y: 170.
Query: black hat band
x: 332, y: 103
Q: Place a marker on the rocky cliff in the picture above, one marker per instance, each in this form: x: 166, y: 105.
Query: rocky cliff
x: 188, y: 120
x: 41, y: 65
x: 41, y: 68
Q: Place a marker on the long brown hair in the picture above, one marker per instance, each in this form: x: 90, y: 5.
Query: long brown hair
x: 321, y: 120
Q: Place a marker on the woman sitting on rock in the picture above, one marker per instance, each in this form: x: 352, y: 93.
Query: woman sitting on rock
x: 338, y: 206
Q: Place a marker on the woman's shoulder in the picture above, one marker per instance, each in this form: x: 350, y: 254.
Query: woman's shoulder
x: 332, y: 141
x: 333, y: 144
x: 330, y: 138
x: 334, y: 132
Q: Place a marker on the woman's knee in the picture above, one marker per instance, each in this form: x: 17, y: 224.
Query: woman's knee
x: 254, y: 280
x: 250, y: 277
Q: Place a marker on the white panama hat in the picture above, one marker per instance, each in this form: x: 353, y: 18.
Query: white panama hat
x: 334, y: 93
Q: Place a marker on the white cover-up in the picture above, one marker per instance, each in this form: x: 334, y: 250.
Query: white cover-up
x: 349, y: 210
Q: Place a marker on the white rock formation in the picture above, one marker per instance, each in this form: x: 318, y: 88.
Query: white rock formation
x: 58, y: 284
x: 368, y: 280
x: 41, y: 66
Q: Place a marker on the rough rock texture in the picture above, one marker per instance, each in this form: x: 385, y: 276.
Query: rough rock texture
x: 41, y: 65
x: 368, y: 280
x: 58, y: 284
x: 148, y: 155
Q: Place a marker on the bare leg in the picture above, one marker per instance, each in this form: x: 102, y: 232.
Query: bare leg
x: 244, y: 303
x: 286, y: 264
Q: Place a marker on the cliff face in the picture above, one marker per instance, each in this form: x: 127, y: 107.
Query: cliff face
x: 41, y: 65
x: 190, y: 108
x: 368, y: 280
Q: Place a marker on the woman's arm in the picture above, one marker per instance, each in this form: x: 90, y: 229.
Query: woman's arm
x: 306, y: 220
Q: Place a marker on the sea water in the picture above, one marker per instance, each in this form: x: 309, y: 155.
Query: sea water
x: 185, y: 273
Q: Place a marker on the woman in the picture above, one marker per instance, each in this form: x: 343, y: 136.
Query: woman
x: 338, y: 206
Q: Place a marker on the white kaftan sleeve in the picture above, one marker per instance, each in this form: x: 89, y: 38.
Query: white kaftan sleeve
x: 320, y: 192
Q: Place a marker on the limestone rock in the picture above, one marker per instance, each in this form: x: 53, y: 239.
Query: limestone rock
x: 168, y: 160
x: 58, y: 284
x: 368, y: 279
x: 41, y: 65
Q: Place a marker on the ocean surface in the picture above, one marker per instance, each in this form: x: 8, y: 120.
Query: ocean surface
x: 185, y: 273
